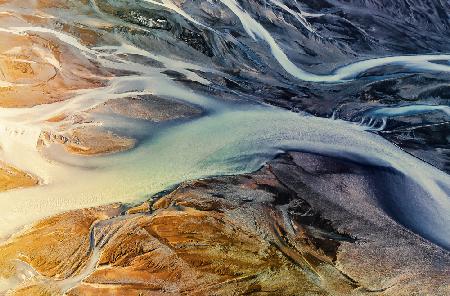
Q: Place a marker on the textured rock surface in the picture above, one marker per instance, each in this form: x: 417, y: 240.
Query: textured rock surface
x: 88, y: 141
x: 40, y: 69
x: 148, y: 107
x: 91, y: 136
x: 302, y: 225
x: 11, y: 178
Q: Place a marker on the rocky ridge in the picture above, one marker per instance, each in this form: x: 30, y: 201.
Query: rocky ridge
x: 303, y: 224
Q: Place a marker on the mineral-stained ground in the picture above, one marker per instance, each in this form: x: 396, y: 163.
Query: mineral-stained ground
x: 302, y: 224
x: 303, y: 146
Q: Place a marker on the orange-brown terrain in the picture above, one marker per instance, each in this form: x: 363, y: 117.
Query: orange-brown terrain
x: 87, y: 141
x: 93, y: 139
x: 11, y: 178
x: 303, y: 224
x: 277, y: 231
x: 36, y: 68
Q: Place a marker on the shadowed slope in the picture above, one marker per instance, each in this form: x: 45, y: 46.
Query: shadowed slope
x: 277, y: 231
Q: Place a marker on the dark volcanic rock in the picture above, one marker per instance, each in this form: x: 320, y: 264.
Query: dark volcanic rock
x: 302, y: 225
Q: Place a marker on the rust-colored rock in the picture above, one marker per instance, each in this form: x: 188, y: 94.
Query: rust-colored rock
x: 11, y: 178
x: 87, y: 141
x: 264, y: 233
x: 38, y: 69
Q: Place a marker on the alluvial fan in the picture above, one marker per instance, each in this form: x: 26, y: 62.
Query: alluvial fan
x: 224, y: 147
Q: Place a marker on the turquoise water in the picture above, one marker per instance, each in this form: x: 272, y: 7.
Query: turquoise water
x: 229, y: 139
x: 227, y: 142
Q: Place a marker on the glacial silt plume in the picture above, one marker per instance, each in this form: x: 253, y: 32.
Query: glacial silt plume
x: 301, y: 146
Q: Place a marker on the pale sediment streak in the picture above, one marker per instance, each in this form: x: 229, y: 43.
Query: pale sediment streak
x: 255, y: 29
x: 60, y: 35
x: 376, y: 119
x: 228, y: 141
x: 171, y: 6
x: 300, y: 16
x: 6, y: 84
x: 408, y: 110
x: 18, y: 147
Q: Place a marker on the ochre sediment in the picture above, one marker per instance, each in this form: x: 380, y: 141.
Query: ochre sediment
x: 262, y: 233
x: 39, y: 69
x: 87, y: 141
x: 11, y: 178
x: 82, y: 134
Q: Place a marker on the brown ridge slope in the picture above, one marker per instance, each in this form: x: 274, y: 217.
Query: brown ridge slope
x: 11, y: 178
x: 42, y: 70
x: 82, y: 134
x: 302, y: 225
